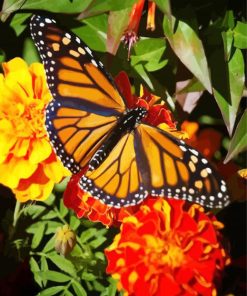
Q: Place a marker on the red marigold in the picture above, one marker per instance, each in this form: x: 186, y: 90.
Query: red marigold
x: 85, y: 205
x: 167, y: 250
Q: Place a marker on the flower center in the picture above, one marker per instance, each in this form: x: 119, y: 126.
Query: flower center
x: 166, y: 252
x: 28, y: 120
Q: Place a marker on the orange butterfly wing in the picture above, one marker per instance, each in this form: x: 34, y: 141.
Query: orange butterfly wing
x: 162, y: 166
x: 86, y: 103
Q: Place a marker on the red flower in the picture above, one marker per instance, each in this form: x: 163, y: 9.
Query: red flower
x: 131, y: 35
x: 85, y: 205
x: 166, y: 249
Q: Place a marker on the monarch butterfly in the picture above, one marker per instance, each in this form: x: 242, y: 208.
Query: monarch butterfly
x: 90, y: 126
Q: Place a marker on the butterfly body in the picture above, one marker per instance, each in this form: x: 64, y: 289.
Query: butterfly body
x: 90, y: 126
x: 126, y: 123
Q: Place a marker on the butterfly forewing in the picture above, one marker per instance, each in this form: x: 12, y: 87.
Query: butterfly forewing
x: 86, y: 102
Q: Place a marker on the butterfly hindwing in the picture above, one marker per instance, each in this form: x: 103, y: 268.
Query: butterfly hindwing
x: 171, y: 168
x: 166, y: 166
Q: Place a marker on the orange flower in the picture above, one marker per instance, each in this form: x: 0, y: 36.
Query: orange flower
x: 27, y: 159
x: 206, y: 141
x: 131, y: 35
x: 166, y: 249
x: 85, y: 205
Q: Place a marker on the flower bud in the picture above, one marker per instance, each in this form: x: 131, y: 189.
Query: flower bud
x: 65, y: 240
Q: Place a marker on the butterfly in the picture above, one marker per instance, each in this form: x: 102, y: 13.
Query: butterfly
x: 90, y: 126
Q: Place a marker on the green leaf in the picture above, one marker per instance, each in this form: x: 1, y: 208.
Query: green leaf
x: 164, y: 5
x: 54, y: 276
x: 79, y: 290
x: 88, y: 276
x: 238, y: 142
x: 19, y: 22
x: 97, y: 242
x: 10, y: 6
x: 98, y: 7
x: 100, y: 256
x: 74, y: 222
x: 49, y: 245
x: 50, y: 215
x: 228, y: 84
x: 62, y: 209
x: 94, y: 32
x: 34, y: 210
x: 52, y: 227
x: 189, y: 49
x: 30, y: 54
x: 88, y: 234
x: 38, y: 235
x: 34, y: 227
x: 50, y: 200
x: 139, y: 68
x: 149, y: 52
x: 111, y: 290
x: 60, y: 187
x: 44, y: 267
x: 62, y: 263
x: 117, y: 24
x: 35, y: 269
x: 240, y: 35
x: 61, y: 6
x: 51, y: 291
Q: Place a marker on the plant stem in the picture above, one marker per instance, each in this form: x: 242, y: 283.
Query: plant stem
x: 16, y: 213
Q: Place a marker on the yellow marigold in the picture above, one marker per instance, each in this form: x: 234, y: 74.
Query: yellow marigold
x: 27, y: 159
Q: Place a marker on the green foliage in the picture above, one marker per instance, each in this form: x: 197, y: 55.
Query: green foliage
x: 83, y: 270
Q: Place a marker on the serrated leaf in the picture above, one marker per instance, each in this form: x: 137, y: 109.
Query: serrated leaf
x: 44, y: 267
x: 100, y: 256
x: 117, y: 24
x: 62, y: 209
x: 111, y: 289
x: 33, y: 227
x: 79, y: 290
x: 52, y: 227
x: 240, y: 35
x: 63, y: 263
x: 97, y: 242
x: 51, y: 291
x: 189, y: 49
x: 38, y: 235
x: 49, y: 216
x: 88, y: 276
x: 98, y: 286
x: 67, y: 293
x: 87, y: 234
x: 74, y: 222
x: 50, y: 200
x: 35, y: 269
x: 34, y: 210
x: 50, y: 245
x: 54, y: 276
x: 238, y: 142
x: 10, y: 6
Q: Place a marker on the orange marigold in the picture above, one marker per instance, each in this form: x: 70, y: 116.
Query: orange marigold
x: 27, y: 159
x: 165, y: 249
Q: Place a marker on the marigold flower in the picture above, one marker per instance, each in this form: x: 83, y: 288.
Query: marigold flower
x: 27, y: 159
x: 165, y: 249
x: 85, y: 205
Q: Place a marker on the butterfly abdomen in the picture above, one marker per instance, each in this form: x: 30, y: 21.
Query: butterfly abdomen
x: 126, y: 123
